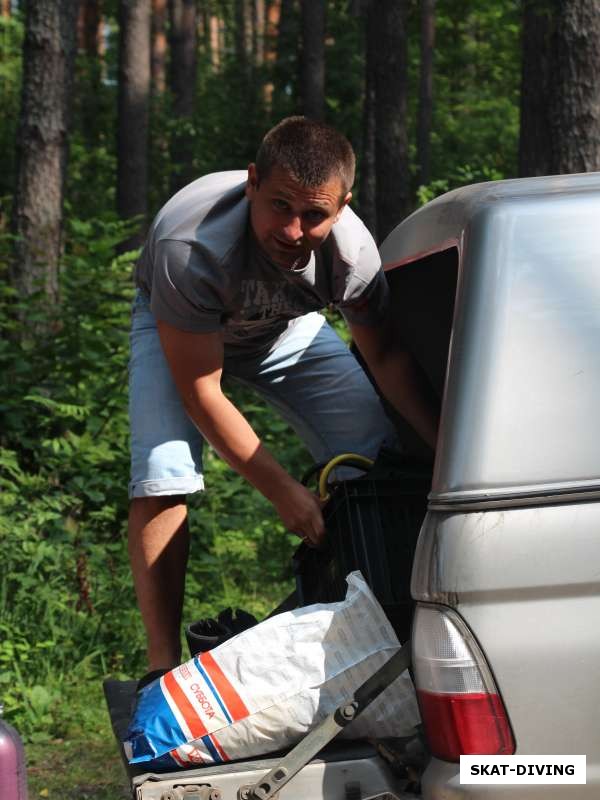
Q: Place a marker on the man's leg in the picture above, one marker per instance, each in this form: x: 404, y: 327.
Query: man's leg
x: 158, y: 552
x: 319, y: 387
x: 166, y: 465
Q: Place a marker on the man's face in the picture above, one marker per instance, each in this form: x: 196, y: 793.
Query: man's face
x: 289, y: 221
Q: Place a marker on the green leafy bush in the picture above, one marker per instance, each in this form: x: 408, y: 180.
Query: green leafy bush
x: 67, y: 604
x: 62, y: 503
x: 11, y: 37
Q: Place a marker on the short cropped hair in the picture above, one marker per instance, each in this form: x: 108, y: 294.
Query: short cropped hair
x: 311, y: 151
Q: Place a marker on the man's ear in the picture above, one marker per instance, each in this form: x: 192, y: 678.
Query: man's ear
x: 343, y: 205
x: 252, y: 182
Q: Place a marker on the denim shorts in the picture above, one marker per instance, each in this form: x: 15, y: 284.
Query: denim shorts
x: 309, y: 376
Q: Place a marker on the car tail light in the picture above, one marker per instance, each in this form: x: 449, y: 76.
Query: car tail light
x: 461, y: 709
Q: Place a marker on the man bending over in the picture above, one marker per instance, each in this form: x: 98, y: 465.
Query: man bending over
x: 235, y: 270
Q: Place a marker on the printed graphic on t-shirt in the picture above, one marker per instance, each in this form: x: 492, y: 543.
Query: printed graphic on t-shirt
x: 262, y: 303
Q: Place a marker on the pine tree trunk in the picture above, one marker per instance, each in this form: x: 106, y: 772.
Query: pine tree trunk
x: 425, y: 110
x: 367, y: 188
x: 286, y: 30
x: 286, y: 70
x: 204, y: 31
x: 271, y: 33
x: 215, y: 43
x: 312, y: 66
x: 133, y: 111
x: 42, y: 145
x: 575, y: 108
x: 88, y: 27
x: 242, y: 36
x: 259, y: 32
x: 272, y: 30
x: 90, y: 44
x: 159, y: 46
x: 560, y: 93
x: 391, y: 151
x: 5, y: 8
x: 248, y: 10
x: 223, y: 38
x: 183, y: 42
x: 535, y: 150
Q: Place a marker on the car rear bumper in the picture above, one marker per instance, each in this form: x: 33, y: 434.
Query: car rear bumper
x: 441, y: 781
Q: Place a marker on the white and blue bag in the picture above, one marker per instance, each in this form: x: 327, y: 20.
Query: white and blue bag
x: 265, y: 688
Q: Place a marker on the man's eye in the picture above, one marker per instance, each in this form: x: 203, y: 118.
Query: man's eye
x: 315, y: 216
x: 280, y: 205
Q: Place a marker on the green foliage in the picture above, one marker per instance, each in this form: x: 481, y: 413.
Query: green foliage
x: 344, y: 70
x: 11, y: 36
x: 461, y: 176
x: 66, y: 601
x: 476, y: 90
x: 63, y: 454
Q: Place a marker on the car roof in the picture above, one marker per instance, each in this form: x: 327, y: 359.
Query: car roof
x: 441, y: 223
x: 523, y: 372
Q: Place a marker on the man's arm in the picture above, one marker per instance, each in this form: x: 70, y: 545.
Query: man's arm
x: 399, y: 377
x: 196, y: 363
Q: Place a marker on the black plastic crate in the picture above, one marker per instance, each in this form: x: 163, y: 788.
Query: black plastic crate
x: 372, y: 524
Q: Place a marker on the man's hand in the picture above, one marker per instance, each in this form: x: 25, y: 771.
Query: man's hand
x: 300, y: 512
x: 196, y: 363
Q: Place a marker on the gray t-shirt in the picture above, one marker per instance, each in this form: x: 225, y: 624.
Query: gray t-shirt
x: 204, y: 272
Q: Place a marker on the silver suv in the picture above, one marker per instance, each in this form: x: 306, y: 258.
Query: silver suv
x: 497, y: 290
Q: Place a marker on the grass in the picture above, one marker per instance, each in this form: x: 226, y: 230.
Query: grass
x: 81, y: 769
x: 84, y: 762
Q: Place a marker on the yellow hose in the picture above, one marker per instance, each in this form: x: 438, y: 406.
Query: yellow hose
x: 354, y: 458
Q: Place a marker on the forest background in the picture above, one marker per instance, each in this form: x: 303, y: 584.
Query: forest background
x: 111, y: 106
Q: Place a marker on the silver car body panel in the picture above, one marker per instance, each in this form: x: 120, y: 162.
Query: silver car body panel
x: 527, y: 583
x: 511, y: 540
x: 441, y: 781
x: 523, y: 379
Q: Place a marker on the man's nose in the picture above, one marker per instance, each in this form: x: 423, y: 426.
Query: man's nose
x: 293, y: 229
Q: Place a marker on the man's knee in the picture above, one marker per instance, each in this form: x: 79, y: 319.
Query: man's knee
x: 159, y: 502
x: 143, y: 510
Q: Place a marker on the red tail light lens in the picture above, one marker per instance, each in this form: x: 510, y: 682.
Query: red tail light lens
x: 461, y: 708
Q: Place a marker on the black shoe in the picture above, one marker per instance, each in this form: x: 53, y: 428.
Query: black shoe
x: 208, y: 633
